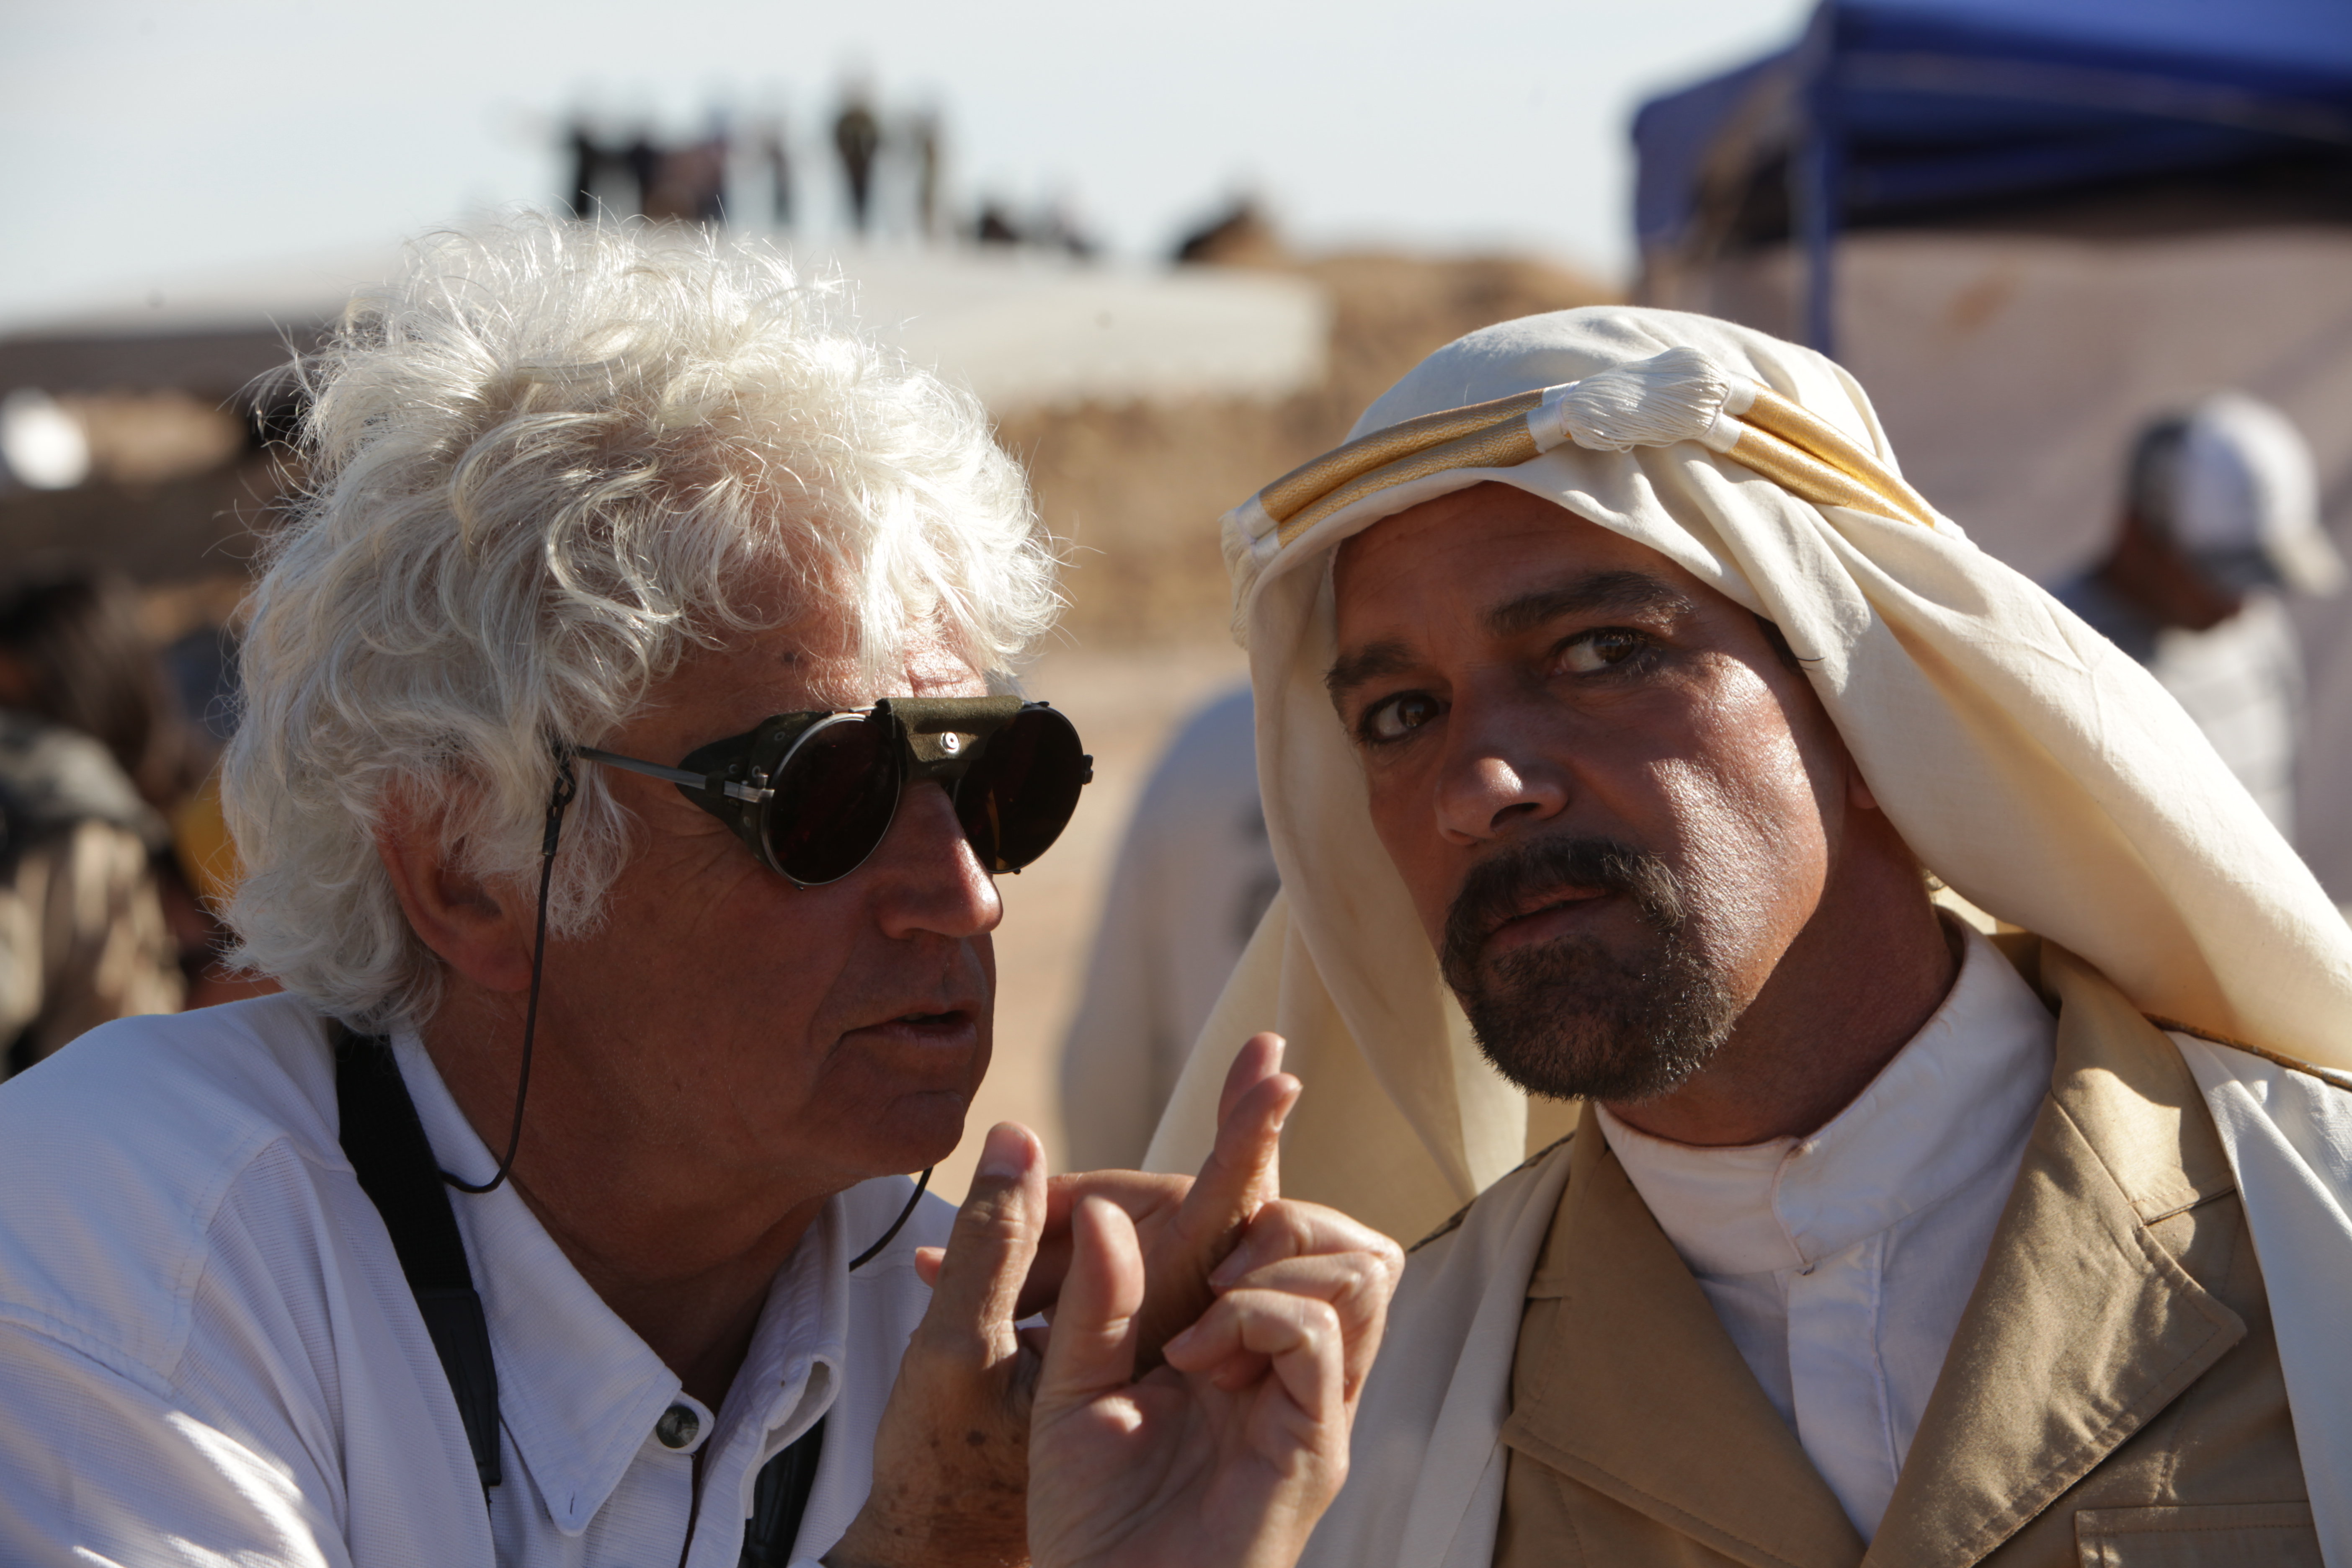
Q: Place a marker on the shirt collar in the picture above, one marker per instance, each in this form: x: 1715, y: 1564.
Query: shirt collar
x: 1955, y: 1101
x: 579, y: 1392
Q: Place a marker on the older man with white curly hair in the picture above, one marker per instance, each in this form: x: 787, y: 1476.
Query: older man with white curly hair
x: 629, y: 749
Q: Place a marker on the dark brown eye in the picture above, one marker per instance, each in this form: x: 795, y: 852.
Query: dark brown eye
x: 1399, y: 716
x: 1598, y: 650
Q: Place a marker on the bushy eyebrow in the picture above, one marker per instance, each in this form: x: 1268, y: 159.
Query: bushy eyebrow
x: 1604, y: 592
x: 1368, y: 663
x: 1601, y: 592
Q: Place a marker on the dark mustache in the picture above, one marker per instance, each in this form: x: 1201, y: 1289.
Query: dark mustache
x: 1502, y: 887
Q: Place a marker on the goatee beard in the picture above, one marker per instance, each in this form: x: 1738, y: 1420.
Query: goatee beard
x: 1569, y: 1018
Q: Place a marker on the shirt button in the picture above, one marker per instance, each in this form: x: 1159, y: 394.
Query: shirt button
x: 678, y: 1426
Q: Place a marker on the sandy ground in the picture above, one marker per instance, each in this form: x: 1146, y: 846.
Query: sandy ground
x: 1125, y: 703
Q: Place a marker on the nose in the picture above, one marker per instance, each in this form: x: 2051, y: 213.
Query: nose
x: 928, y: 882
x: 1494, y: 775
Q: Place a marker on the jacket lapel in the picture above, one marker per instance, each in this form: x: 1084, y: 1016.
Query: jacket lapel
x: 1639, y: 1394
x: 2081, y: 1327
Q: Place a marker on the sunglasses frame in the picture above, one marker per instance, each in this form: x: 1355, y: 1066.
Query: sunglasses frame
x: 938, y: 739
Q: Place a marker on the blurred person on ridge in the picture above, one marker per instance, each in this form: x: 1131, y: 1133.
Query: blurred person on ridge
x: 776, y: 154
x: 629, y: 747
x: 92, y: 756
x: 857, y: 138
x: 926, y: 138
x: 1619, y: 707
x: 1193, y: 876
x: 2220, y: 520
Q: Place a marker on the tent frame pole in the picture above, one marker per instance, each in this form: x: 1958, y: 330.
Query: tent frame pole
x: 1816, y: 176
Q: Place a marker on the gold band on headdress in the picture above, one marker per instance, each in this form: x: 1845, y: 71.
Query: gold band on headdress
x: 1504, y: 444
x: 1310, y: 482
x: 1771, y: 414
x: 1677, y: 396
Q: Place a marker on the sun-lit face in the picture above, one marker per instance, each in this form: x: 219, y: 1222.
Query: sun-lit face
x: 839, y: 1031
x: 1614, y: 804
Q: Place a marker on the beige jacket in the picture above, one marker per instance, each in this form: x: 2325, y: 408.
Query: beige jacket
x: 2113, y: 1394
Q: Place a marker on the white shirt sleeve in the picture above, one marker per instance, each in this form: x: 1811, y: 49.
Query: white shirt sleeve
x: 230, y: 1421
x: 96, y: 1469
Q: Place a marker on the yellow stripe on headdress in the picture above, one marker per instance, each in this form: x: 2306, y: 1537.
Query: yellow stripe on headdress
x: 1678, y: 395
x: 1310, y: 482
x: 1809, y: 476
x: 1815, y: 436
x: 1500, y: 445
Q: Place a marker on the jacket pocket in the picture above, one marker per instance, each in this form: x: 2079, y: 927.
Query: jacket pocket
x: 2208, y: 1535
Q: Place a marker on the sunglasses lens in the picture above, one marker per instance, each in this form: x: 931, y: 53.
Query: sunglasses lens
x: 1022, y: 789
x: 835, y: 795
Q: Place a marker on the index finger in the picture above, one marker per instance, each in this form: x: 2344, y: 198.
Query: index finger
x: 975, y: 1296
x: 1241, y: 1176
x: 1243, y: 1170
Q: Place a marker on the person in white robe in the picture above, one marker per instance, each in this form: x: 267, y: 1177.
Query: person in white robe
x: 1193, y: 875
x: 2036, y: 1249
x: 2221, y: 522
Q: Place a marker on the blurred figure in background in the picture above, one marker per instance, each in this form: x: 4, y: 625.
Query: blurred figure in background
x: 1060, y: 229
x: 588, y: 164
x: 92, y: 757
x: 689, y: 183
x: 643, y: 160
x: 202, y: 669
x: 2220, y: 514
x: 775, y: 152
x: 994, y: 226
x: 1192, y: 879
x: 858, y: 136
x: 924, y: 134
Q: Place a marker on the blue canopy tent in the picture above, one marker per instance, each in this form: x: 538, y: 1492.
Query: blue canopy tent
x: 1904, y: 112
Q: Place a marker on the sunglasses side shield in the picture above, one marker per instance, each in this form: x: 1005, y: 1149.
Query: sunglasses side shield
x: 812, y: 795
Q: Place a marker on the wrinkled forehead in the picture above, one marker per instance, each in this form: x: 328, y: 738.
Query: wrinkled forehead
x: 1484, y: 543
x: 807, y: 649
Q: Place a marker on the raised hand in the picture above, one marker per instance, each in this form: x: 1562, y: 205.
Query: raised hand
x: 1186, y: 1226
x: 1226, y: 1455
x: 950, y: 1459
x: 1267, y: 1314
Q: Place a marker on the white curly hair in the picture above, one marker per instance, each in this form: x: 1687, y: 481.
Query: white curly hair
x: 545, y: 462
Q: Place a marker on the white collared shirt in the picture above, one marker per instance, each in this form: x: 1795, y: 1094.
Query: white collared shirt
x: 1841, y: 1263
x: 208, y: 1352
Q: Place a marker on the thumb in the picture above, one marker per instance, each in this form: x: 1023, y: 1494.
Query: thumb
x: 989, y: 1250
x: 1091, y: 1352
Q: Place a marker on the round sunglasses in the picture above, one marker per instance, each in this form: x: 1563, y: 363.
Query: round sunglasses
x: 814, y: 793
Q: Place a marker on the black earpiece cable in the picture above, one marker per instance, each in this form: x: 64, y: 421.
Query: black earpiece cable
x: 565, y: 788
x: 898, y: 1225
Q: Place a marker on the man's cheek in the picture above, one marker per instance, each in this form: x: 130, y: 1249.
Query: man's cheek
x: 1431, y: 871
x: 1753, y: 865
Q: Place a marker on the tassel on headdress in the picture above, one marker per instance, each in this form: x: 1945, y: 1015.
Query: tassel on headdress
x: 1673, y: 396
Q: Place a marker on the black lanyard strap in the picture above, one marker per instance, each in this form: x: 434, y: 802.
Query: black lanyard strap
x: 387, y: 1147
x: 779, y: 1498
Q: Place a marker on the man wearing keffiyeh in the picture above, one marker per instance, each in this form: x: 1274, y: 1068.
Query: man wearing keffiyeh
x: 1624, y: 720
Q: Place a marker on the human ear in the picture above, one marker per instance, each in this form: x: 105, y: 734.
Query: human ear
x: 1857, y: 788
x: 475, y: 926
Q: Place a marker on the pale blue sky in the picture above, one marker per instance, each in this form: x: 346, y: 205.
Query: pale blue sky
x: 149, y: 139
